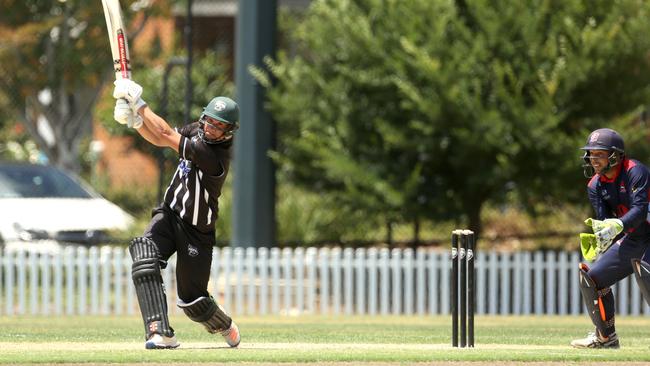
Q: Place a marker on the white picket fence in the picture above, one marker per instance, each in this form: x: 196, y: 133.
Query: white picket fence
x: 286, y: 281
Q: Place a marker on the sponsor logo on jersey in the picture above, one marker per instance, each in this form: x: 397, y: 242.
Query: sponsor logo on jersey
x: 192, y: 251
x: 185, y: 167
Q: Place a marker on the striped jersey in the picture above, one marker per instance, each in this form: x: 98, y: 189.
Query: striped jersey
x: 196, y: 185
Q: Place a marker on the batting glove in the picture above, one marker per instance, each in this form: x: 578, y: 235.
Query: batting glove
x: 127, y: 89
x: 124, y: 115
x: 605, y: 230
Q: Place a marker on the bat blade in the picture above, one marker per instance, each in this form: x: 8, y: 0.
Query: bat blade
x: 118, y: 39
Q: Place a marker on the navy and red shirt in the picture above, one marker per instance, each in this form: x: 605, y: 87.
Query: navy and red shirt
x: 625, y: 197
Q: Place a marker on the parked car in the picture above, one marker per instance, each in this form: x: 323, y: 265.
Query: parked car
x: 44, y: 203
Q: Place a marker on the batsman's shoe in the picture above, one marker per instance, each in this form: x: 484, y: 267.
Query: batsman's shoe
x: 157, y: 341
x: 232, y: 335
x: 593, y: 341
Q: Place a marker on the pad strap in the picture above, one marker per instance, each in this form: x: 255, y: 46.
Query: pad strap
x: 149, y: 288
x: 205, y: 310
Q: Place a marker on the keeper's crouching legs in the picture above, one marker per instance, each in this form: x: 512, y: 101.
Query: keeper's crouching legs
x: 205, y: 310
x: 599, y: 303
x: 600, y: 306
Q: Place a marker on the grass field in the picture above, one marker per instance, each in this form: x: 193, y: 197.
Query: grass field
x: 315, y: 339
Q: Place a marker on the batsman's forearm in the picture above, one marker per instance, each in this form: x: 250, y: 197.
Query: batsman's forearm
x: 156, y: 124
x: 162, y: 133
x: 146, y: 133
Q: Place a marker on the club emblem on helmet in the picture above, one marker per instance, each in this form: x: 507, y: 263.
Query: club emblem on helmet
x: 219, y: 106
x: 594, y: 136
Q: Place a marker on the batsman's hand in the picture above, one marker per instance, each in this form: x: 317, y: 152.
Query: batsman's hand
x: 605, y: 230
x: 127, y: 89
x: 123, y: 114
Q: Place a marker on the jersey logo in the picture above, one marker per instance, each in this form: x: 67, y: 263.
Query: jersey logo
x: 192, y: 251
x: 622, y: 189
x: 185, y: 166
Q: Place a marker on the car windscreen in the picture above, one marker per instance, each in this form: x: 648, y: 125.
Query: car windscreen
x: 38, y: 181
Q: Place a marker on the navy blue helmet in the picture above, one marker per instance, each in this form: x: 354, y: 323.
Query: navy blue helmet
x: 603, y: 139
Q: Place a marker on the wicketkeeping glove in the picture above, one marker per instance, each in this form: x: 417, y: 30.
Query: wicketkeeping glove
x: 589, y: 246
x: 605, y: 231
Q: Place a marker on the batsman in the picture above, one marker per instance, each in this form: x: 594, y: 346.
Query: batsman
x: 618, y: 192
x: 184, y: 223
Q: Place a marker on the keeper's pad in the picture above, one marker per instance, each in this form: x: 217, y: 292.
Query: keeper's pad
x: 594, y: 301
x: 642, y: 275
x: 205, y: 310
x: 149, y: 287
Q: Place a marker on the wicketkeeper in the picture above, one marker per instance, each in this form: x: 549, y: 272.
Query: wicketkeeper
x: 185, y: 222
x: 618, y: 191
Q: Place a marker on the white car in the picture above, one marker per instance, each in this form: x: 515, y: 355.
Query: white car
x: 41, y: 203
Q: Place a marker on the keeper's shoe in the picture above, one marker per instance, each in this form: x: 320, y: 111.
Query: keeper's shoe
x: 231, y: 335
x: 157, y: 341
x: 593, y: 341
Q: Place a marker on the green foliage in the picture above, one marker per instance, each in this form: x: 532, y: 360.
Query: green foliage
x: 434, y: 108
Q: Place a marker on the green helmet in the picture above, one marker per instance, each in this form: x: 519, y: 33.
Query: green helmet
x: 223, y: 109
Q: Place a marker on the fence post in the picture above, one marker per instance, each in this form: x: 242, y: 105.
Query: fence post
x: 9, y: 283
x: 384, y: 280
x: 287, y: 269
x: 226, y: 255
x: 250, y: 266
x: 360, y: 293
x: 82, y: 278
x: 275, y: 283
x: 33, y: 283
x: 239, y: 275
x: 45, y: 283
x: 311, y: 280
x: 299, y: 254
x: 407, y: 264
x: 434, y: 288
x: 324, y: 256
x: 372, y: 281
x: 263, y: 270
x: 22, y: 286
x: 397, y: 280
x: 539, y: 280
x: 551, y: 296
x: 348, y: 285
x: 504, y: 268
x: 69, y: 279
x: 420, y: 281
x: 336, y: 280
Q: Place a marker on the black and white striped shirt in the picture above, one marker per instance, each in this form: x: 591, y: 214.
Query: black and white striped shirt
x: 196, y: 185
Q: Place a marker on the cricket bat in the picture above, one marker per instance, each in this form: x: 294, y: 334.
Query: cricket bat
x: 118, y: 39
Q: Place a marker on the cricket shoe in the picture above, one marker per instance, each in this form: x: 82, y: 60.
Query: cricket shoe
x: 157, y: 341
x: 232, y: 335
x: 593, y: 341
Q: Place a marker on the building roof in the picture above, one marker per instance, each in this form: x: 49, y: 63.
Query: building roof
x: 227, y: 8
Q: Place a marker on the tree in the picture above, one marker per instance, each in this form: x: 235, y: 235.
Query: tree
x: 55, y: 60
x: 434, y: 108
